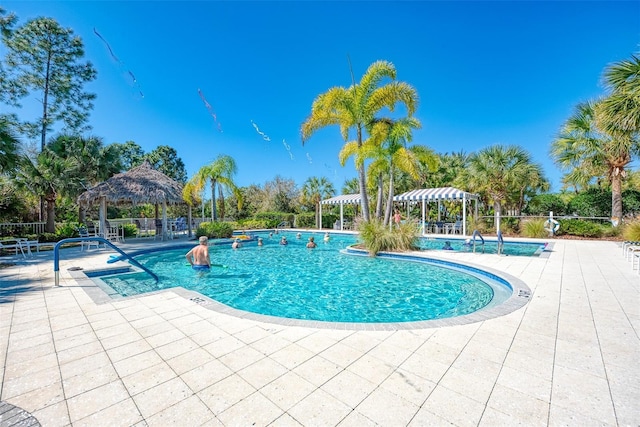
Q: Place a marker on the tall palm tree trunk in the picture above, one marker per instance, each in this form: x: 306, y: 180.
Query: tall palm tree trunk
x: 387, y: 214
x: 380, y: 196
x: 362, y: 181
x: 214, y: 213
x: 221, y: 199
x: 616, y: 196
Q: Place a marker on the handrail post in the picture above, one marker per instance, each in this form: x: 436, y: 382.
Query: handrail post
x: 56, y: 255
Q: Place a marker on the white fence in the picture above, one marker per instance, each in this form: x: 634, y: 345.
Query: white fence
x: 21, y: 229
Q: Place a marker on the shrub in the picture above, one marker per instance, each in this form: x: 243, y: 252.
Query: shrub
x: 130, y: 230
x: 533, y: 228
x: 631, y: 202
x: 306, y: 220
x: 214, y: 230
x: 631, y: 231
x: 376, y: 237
x: 274, y: 218
x: 579, y: 227
x: 252, y: 224
x: 67, y: 230
x: 593, y: 202
x: 543, y: 203
x: 48, y: 238
x: 510, y: 225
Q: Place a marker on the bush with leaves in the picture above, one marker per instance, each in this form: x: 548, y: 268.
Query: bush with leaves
x: 215, y: 230
x: 542, y: 204
x: 579, y: 227
x: 130, y: 230
x: 252, y: 224
x: 67, y: 230
x: 593, y: 202
x: 274, y: 218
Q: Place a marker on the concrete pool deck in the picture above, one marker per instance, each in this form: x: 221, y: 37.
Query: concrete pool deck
x: 571, y: 356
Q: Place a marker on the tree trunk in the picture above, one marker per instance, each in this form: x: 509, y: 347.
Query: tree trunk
x: 387, y: 214
x: 221, y: 201
x: 616, y: 198
x: 380, y: 196
x: 362, y: 181
x: 51, y: 214
x: 214, y: 213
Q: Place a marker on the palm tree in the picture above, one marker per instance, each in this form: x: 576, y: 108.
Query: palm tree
x: 220, y: 173
x: 316, y: 189
x: 354, y: 108
x: 589, y: 147
x: 47, y: 178
x: 95, y: 162
x: 496, y: 172
x: 620, y: 112
x: 388, y: 148
x: 191, y: 196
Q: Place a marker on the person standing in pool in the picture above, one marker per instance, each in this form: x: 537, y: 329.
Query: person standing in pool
x: 198, y: 257
x: 311, y: 243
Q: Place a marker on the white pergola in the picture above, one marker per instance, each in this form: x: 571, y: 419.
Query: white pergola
x: 438, y: 195
x: 344, y: 199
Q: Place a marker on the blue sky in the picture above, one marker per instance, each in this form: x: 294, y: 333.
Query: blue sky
x: 486, y: 72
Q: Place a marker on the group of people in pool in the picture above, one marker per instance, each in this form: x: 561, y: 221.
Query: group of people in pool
x: 199, y: 258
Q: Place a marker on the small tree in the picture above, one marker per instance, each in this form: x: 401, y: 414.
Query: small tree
x: 44, y: 59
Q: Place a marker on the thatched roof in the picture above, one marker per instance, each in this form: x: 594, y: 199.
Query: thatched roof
x: 142, y: 184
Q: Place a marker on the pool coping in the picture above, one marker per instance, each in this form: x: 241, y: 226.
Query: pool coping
x: 101, y: 293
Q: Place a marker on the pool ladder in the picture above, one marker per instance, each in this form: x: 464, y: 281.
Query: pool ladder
x: 56, y: 255
x: 477, y: 234
x: 500, y: 242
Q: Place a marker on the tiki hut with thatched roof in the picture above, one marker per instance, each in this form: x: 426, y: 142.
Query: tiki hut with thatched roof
x: 142, y: 184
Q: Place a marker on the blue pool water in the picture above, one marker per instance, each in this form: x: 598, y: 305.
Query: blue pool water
x: 319, y: 284
x: 489, y: 247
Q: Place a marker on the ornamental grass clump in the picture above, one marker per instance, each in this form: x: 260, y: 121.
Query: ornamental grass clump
x: 632, y: 231
x: 376, y: 237
x: 534, y: 228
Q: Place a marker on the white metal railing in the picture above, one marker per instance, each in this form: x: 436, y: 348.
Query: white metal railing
x: 22, y: 229
x: 18, y: 229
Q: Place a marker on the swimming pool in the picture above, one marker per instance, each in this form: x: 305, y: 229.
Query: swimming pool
x: 322, y: 284
x: 489, y: 247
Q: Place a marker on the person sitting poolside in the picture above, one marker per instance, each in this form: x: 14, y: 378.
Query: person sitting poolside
x: 236, y: 244
x: 326, y: 237
x: 283, y: 240
x: 447, y: 246
x: 311, y: 243
x: 198, y: 257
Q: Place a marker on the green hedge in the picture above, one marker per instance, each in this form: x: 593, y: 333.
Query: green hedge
x: 272, y: 219
x: 579, y: 227
x: 215, y: 230
x: 252, y: 224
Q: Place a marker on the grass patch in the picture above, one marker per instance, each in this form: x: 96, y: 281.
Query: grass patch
x: 376, y: 237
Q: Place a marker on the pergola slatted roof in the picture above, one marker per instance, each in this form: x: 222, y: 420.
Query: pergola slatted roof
x: 344, y: 199
x: 443, y: 193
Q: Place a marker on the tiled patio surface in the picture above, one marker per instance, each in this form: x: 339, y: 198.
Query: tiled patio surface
x: 571, y: 356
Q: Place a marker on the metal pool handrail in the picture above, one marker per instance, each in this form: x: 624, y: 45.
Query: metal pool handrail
x: 475, y: 234
x: 500, y: 242
x: 56, y: 255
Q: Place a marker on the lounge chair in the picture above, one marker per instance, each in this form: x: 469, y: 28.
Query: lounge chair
x: 88, y: 243
x: 15, y: 245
